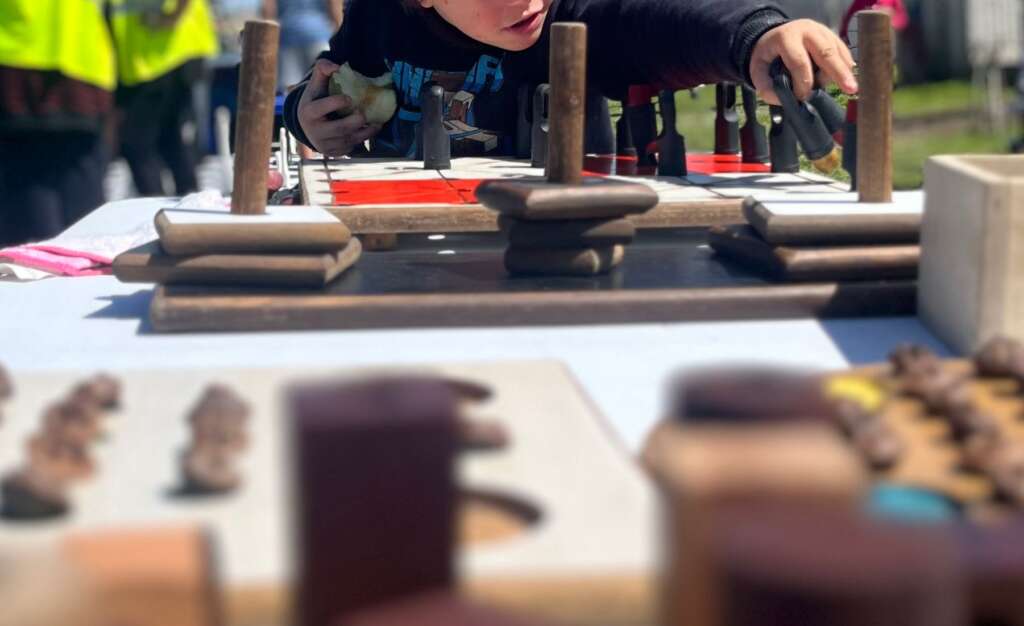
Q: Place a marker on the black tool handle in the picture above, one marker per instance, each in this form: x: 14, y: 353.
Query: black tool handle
x: 814, y: 137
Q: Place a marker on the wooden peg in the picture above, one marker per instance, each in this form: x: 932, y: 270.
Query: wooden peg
x: 568, y: 78
x: 437, y: 145
x: 671, y: 145
x: 727, y: 120
x: 541, y: 126
x: 254, y: 131
x: 874, y: 107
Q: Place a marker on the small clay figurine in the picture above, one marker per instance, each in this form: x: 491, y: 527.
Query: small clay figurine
x: 102, y: 390
x: 879, y: 445
x: 912, y: 359
x: 852, y: 416
x: 209, y: 470
x: 1001, y: 357
x: 62, y: 458
x: 979, y: 449
x: 219, y: 423
x: 1006, y: 469
x: 77, y: 423
x: 32, y: 495
x: 971, y: 421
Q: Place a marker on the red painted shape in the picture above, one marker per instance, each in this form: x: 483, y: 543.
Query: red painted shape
x: 349, y: 192
x: 695, y: 164
x: 456, y: 191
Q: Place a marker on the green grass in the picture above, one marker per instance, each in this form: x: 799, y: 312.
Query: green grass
x: 911, y: 150
x: 932, y: 98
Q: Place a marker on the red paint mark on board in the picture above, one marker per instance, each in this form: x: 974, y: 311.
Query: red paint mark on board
x: 695, y: 164
x: 456, y: 191
x: 350, y: 192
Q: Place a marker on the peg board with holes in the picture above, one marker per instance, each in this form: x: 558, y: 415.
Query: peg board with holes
x: 975, y: 461
x: 576, y: 543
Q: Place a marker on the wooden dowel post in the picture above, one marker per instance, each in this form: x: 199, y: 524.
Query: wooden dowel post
x: 568, y: 78
x: 874, y: 106
x: 254, y: 128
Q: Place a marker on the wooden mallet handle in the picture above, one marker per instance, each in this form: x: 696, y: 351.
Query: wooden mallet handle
x: 257, y: 88
x: 874, y: 106
x: 568, y: 79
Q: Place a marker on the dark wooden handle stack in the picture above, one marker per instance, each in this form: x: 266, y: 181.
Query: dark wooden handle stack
x: 257, y: 87
x: 874, y: 133
x: 568, y: 78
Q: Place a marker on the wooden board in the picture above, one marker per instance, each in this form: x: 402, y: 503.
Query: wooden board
x: 667, y: 275
x: 588, y: 558
x: 806, y: 263
x: 387, y: 195
x: 149, y: 264
x: 292, y: 230
x: 834, y: 219
x: 931, y: 459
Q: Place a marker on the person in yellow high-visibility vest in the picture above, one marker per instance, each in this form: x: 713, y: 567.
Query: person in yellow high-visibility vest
x: 161, y: 49
x: 57, y: 77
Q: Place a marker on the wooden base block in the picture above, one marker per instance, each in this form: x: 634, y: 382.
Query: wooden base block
x: 811, y: 263
x: 972, y: 249
x: 563, y: 262
x: 293, y: 230
x: 378, y: 242
x: 150, y: 578
x: 835, y: 219
x: 149, y: 264
x: 540, y: 200
x: 568, y: 233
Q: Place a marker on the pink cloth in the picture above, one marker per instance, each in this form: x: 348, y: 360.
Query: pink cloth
x: 57, y: 260
x: 900, y: 17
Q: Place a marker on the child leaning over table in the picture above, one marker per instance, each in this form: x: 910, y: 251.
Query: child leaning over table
x: 481, y: 51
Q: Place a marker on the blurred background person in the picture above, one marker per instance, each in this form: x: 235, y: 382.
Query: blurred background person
x: 306, y: 27
x: 162, y: 47
x: 57, y: 77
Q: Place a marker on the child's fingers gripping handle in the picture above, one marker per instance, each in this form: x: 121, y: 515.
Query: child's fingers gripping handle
x: 828, y: 50
x: 321, y: 75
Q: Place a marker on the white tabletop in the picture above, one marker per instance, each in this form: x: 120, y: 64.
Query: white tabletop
x: 76, y: 323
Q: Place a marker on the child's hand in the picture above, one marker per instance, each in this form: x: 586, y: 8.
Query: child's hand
x: 331, y: 137
x: 802, y: 44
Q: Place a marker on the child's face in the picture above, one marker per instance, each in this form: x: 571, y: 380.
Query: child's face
x: 508, y: 24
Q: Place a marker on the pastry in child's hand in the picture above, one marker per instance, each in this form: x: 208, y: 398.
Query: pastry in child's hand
x: 375, y: 97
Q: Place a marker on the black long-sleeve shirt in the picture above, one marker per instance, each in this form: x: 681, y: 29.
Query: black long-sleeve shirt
x: 665, y: 43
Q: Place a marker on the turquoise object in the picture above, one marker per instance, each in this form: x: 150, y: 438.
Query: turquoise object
x: 910, y: 504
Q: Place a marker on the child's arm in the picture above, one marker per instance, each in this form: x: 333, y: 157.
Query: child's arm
x: 315, y: 112
x: 312, y: 115
x: 684, y: 43
x: 803, y: 45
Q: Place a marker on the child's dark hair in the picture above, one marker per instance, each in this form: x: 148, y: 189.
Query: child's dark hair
x: 411, y: 5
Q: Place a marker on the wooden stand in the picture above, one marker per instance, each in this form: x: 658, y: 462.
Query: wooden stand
x: 874, y: 135
x: 257, y: 86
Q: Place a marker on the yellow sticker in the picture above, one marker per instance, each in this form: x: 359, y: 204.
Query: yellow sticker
x: 868, y: 394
